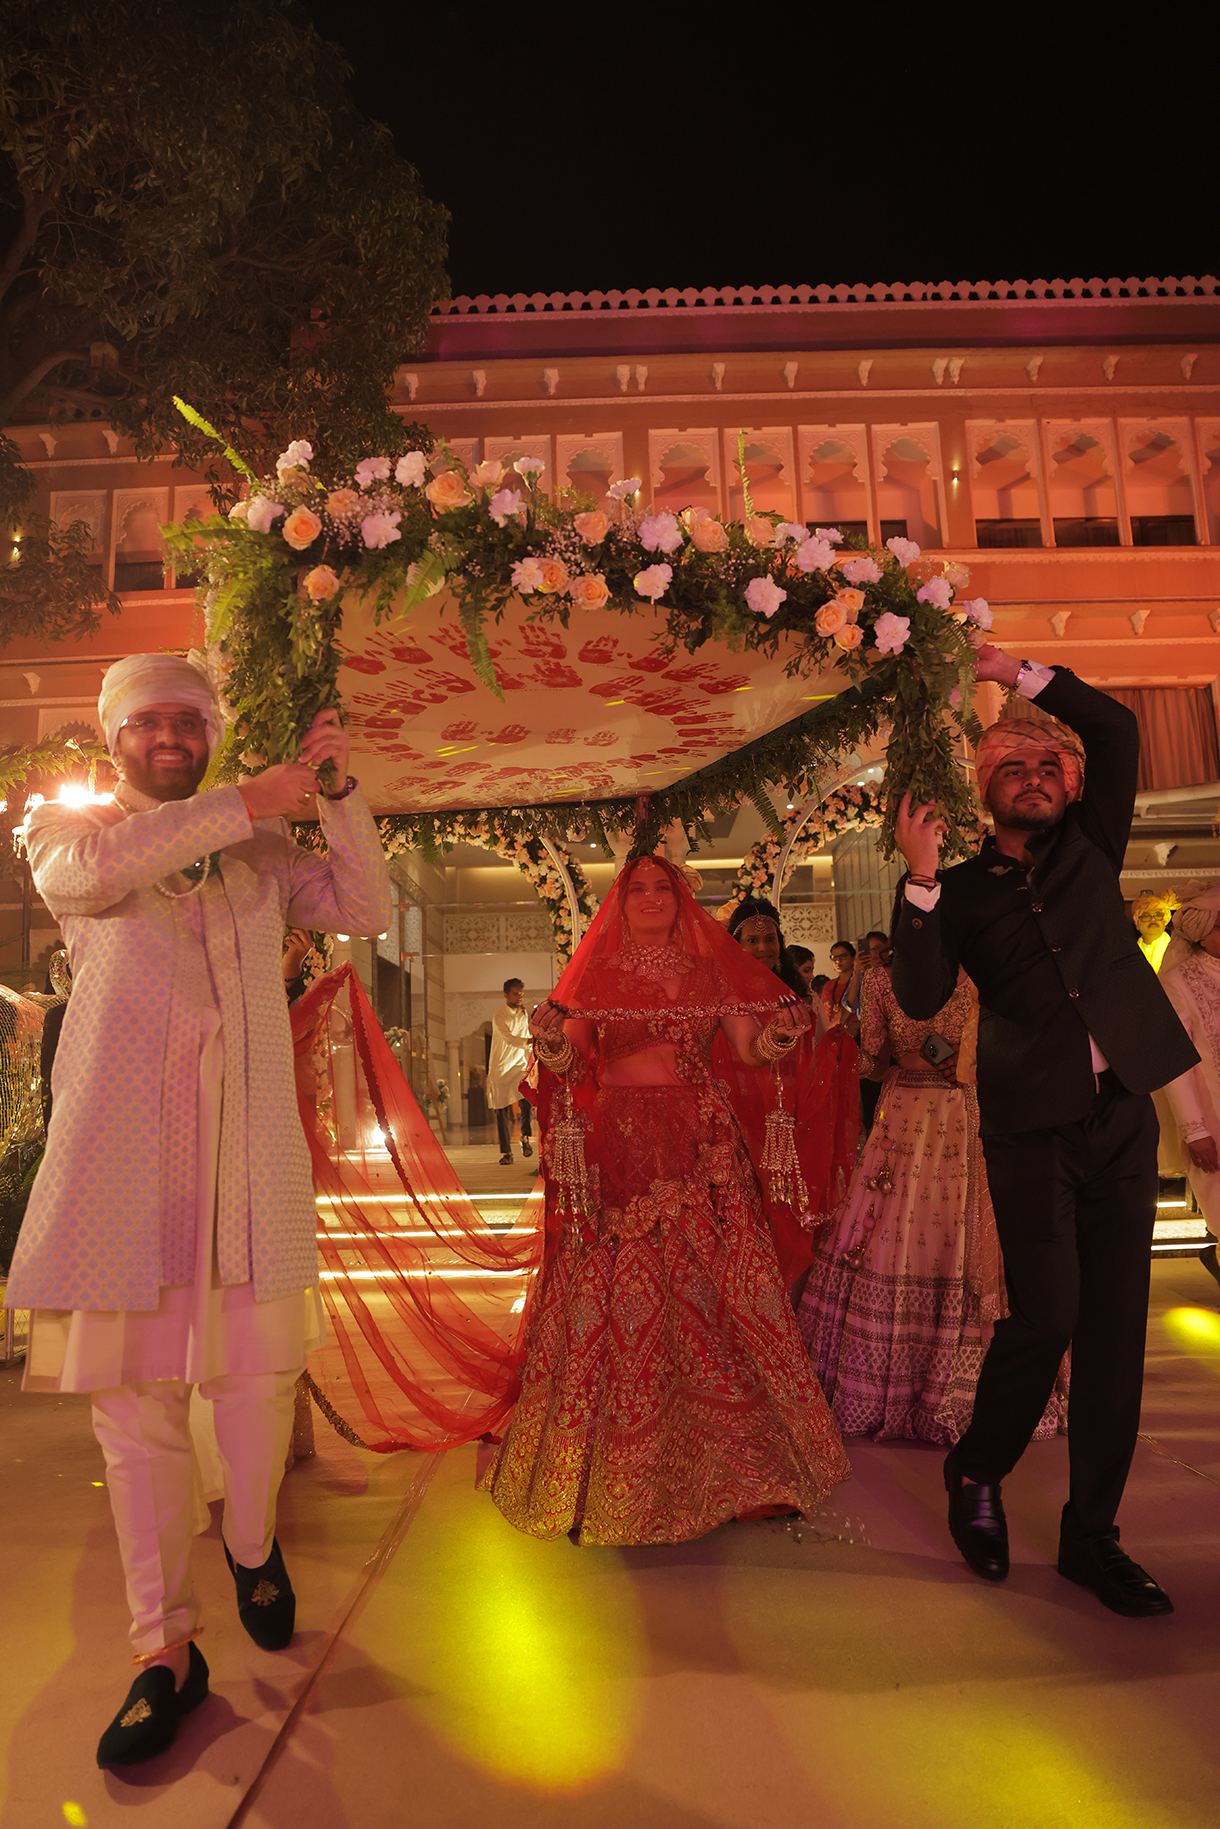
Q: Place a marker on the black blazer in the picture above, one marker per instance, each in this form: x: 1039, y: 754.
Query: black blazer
x: 1053, y: 954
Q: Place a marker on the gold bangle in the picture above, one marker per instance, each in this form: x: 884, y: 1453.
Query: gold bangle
x: 771, y: 1045
x: 558, y: 1058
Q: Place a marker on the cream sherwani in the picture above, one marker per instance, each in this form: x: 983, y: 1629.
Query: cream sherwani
x: 170, y: 1238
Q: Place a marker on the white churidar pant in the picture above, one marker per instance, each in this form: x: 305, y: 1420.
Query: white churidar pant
x: 242, y: 1356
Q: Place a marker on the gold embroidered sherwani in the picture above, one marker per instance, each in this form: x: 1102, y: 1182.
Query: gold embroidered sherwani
x: 113, y: 1215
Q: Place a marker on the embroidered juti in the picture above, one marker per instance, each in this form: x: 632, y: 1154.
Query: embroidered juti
x: 665, y: 1388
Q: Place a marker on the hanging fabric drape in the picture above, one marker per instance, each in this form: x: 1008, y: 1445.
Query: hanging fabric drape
x: 1178, y: 738
x: 426, y: 1301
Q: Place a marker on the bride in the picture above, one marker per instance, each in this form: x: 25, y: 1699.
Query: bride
x: 665, y: 1387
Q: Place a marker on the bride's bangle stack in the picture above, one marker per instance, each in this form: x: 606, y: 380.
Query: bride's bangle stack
x: 773, y: 1043
x: 556, y: 1056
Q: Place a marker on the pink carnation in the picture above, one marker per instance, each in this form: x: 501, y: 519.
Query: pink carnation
x: 653, y: 581
x: 764, y: 596
x: 938, y: 592
x: 863, y: 570
x: 660, y: 533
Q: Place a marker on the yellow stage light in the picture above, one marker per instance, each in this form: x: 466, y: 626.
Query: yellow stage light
x: 1195, y: 1330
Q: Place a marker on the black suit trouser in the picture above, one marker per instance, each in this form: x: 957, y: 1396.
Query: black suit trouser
x: 1074, y: 1208
x: 504, y: 1126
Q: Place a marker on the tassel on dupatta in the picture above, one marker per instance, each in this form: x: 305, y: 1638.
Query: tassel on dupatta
x: 779, y: 1160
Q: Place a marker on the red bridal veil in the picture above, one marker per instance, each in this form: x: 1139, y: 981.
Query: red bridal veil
x: 427, y: 1301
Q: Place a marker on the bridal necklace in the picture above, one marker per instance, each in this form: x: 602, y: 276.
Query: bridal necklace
x: 653, y: 961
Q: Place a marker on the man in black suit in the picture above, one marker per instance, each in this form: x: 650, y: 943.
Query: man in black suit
x: 1075, y: 1032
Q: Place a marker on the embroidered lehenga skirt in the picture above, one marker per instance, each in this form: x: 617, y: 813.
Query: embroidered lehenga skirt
x: 906, y: 1282
x: 665, y: 1389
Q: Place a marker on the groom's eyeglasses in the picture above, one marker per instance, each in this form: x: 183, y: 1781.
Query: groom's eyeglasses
x: 180, y: 724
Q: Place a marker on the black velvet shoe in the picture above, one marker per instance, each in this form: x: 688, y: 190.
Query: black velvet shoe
x: 527, y: 1149
x: 506, y: 1162
x: 1120, y: 1584
x: 976, y: 1521
x: 148, y: 1720
x: 266, y: 1604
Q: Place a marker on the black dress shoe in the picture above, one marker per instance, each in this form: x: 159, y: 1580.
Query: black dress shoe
x: 506, y: 1162
x: 266, y: 1604
x: 976, y: 1522
x: 148, y: 1720
x: 527, y: 1149
x: 1120, y: 1584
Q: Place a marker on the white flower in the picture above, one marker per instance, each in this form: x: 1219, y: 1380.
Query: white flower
x: 905, y: 551
x: 791, y: 530
x: 958, y: 576
x: 410, y: 471
x: 891, y: 632
x: 372, y: 470
x: 653, y: 581
x: 380, y: 529
x: 529, y: 466
x: 764, y: 596
x: 622, y: 491
x: 979, y: 611
x: 261, y: 512
x: 527, y: 576
x: 298, y: 456
x: 814, y: 555
x: 502, y: 504
x: 863, y: 570
x: 660, y: 533
x: 937, y: 591
x: 828, y: 533
x: 239, y: 511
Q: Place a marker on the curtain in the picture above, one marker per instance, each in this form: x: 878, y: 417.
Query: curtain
x: 426, y: 1303
x: 1178, y: 741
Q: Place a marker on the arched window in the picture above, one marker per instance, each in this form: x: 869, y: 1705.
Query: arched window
x: 908, y: 482
x: 1004, y: 485
x: 1080, y: 485
x: 1156, y: 476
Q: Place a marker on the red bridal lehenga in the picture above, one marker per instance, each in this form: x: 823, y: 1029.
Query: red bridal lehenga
x: 907, y: 1282
x: 665, y: 1388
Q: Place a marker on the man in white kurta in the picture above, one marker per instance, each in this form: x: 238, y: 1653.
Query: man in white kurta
x: 170, y: 1238
x: 507, y: 1066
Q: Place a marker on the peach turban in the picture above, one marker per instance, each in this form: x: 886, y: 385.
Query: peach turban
x: 1007, y: 739
x: 140, y: 680
x: 1195, y: 918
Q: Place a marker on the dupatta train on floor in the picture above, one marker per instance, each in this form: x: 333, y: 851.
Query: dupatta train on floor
x: 425, y: 1300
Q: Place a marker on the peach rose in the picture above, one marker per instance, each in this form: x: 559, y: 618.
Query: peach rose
x: 342, y: 501
x: 321, y: 584
x: 554, y: 575
x: 852, y: 601
x: 830, y: 618
x: 488, y: 474
x: 760, y: 530
x: 589, y: 592
x: 448, y: 490
x: 849, y: 636
x: 592, y: 527
x: 709, y: 536
x: 301, y: 529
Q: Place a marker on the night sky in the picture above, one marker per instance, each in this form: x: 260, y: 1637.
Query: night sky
x: 600, y: 146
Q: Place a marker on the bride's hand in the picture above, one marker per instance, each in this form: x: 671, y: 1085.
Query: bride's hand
x: 793, y: 1019
x: 546, y: 1024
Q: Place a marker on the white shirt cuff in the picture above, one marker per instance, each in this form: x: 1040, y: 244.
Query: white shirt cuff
x: 919, y: 897
x: 1034, y: 676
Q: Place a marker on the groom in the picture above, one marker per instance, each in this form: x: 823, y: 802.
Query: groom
x: 1074, y: 1034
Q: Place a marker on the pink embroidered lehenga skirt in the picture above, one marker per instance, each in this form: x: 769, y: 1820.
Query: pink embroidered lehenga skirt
x: 906, y: 1282
x: 666, y: 1389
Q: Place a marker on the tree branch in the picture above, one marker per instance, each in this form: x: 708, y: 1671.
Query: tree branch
x: 29, y: 381
x: 35, y: 205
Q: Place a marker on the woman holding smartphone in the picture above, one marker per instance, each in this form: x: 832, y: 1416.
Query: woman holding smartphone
x: 906, y: 1282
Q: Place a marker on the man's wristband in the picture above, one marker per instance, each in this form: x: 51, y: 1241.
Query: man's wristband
x: 344, y: 792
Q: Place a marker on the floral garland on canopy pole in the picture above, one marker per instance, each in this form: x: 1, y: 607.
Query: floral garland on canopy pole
x: 552, y: 872
x: 768, y: 865
x: 402, y: 527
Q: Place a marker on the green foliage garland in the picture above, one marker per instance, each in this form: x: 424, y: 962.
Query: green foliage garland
x: 395, y: 530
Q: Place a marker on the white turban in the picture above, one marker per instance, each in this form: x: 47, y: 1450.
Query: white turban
x: 142, y: 680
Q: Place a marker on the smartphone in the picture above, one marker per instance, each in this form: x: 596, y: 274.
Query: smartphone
x: 936, y: 1050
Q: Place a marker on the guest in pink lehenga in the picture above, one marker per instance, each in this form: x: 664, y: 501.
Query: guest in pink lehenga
x: 907, y: 1281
